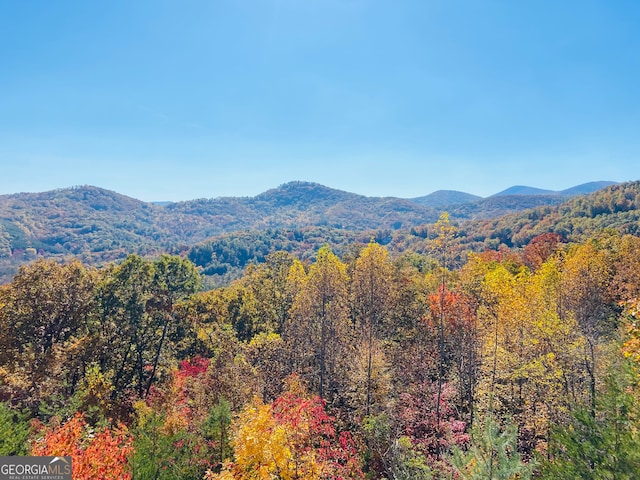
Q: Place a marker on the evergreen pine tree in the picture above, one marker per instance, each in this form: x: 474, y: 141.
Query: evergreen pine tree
x: 14, y: 432
x: 601, y: 446
x: 492, y: 454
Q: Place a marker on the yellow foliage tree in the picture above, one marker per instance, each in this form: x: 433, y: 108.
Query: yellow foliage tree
x: 291, y: 439
x: 531, y: 368
x: 319, y: 332
x: 372, y: 295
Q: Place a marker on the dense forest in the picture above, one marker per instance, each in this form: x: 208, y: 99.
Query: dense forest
x: 98, y: 226
x: 224, y: 258
x: 517, y: 358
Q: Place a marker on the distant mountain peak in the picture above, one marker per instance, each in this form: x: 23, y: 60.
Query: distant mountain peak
x: 301, y: 192
x: 524, y: 190
x: 300, y: 183
x: 443, y: 198
x: 588, y: 187
x: 582, y: 189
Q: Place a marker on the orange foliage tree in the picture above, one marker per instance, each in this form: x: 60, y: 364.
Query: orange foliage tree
x: 96, y: 455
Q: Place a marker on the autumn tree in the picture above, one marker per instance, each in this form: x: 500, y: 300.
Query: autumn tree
x: 292, y: 438
x: 431, y: 431
x: 370, y: 376
x: 372, y: 294
x: 390, y: 454
x: 96, y: 454
x: 177, y: 433
x: 442, y: 249
x: 412, y: 346
x: 137, y: 301
x: 267, y: 284
x: 586, y: 275
x: 625, y: 284
x: 267, y: 354
x: 205, y: 315
x: 319, y: 328
x: 530, y: 361
x: 238, y: 369
x: 47, y: 310
x: 631, y: 335
x: 460, y: 356
x: 540, y: 248
x: 260, y: 301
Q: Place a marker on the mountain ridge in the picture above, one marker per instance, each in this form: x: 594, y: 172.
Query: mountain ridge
x: 98, y: 226
x: 443, y: 197
x: 523, y: 190
x: 583, y: 188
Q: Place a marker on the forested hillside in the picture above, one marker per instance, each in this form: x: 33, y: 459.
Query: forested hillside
x: 515, y: 363
x: 84, y: 221
x: 615, y: 207
x: 224, y: 258
x: 97, y: 226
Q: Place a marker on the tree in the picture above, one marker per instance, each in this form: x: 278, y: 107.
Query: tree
x: 390, y: 454
x: 176, y: 436
x: 137, y: 302
x: 319, y: 327
x: 429, y: 434
x: 14, y: 431
x: 97, y: 454
x: 267, y: 354
x: 586, y: 275
x: 218, y: 430
x: 540, y: 248
x: 293, y: 439
x: 631, y: 345
x: 126, y: 327
x: 604, y: 445
x: 205, y: 317
x: 625, y: 284
x: 268, y: 286
x: 174, y: 279
x: 531, y: 368
x: 372, y: 296
x: 442, y: 248
x: 459, y: 356
x: 166, y: 448
x: 492, y: 455
x: 48, y: 310
x: 370, y: 380
x: 604, y: 442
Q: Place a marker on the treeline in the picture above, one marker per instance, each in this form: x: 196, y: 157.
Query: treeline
x: 97, y: 226
x: 223, y: 258
x: 616, y: 207
x: 515, y: 364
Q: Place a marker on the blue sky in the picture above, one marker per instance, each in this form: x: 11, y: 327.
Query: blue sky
x: 175, y: 100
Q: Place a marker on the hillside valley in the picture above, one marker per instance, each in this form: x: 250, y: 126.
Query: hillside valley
x: 98, y: 226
